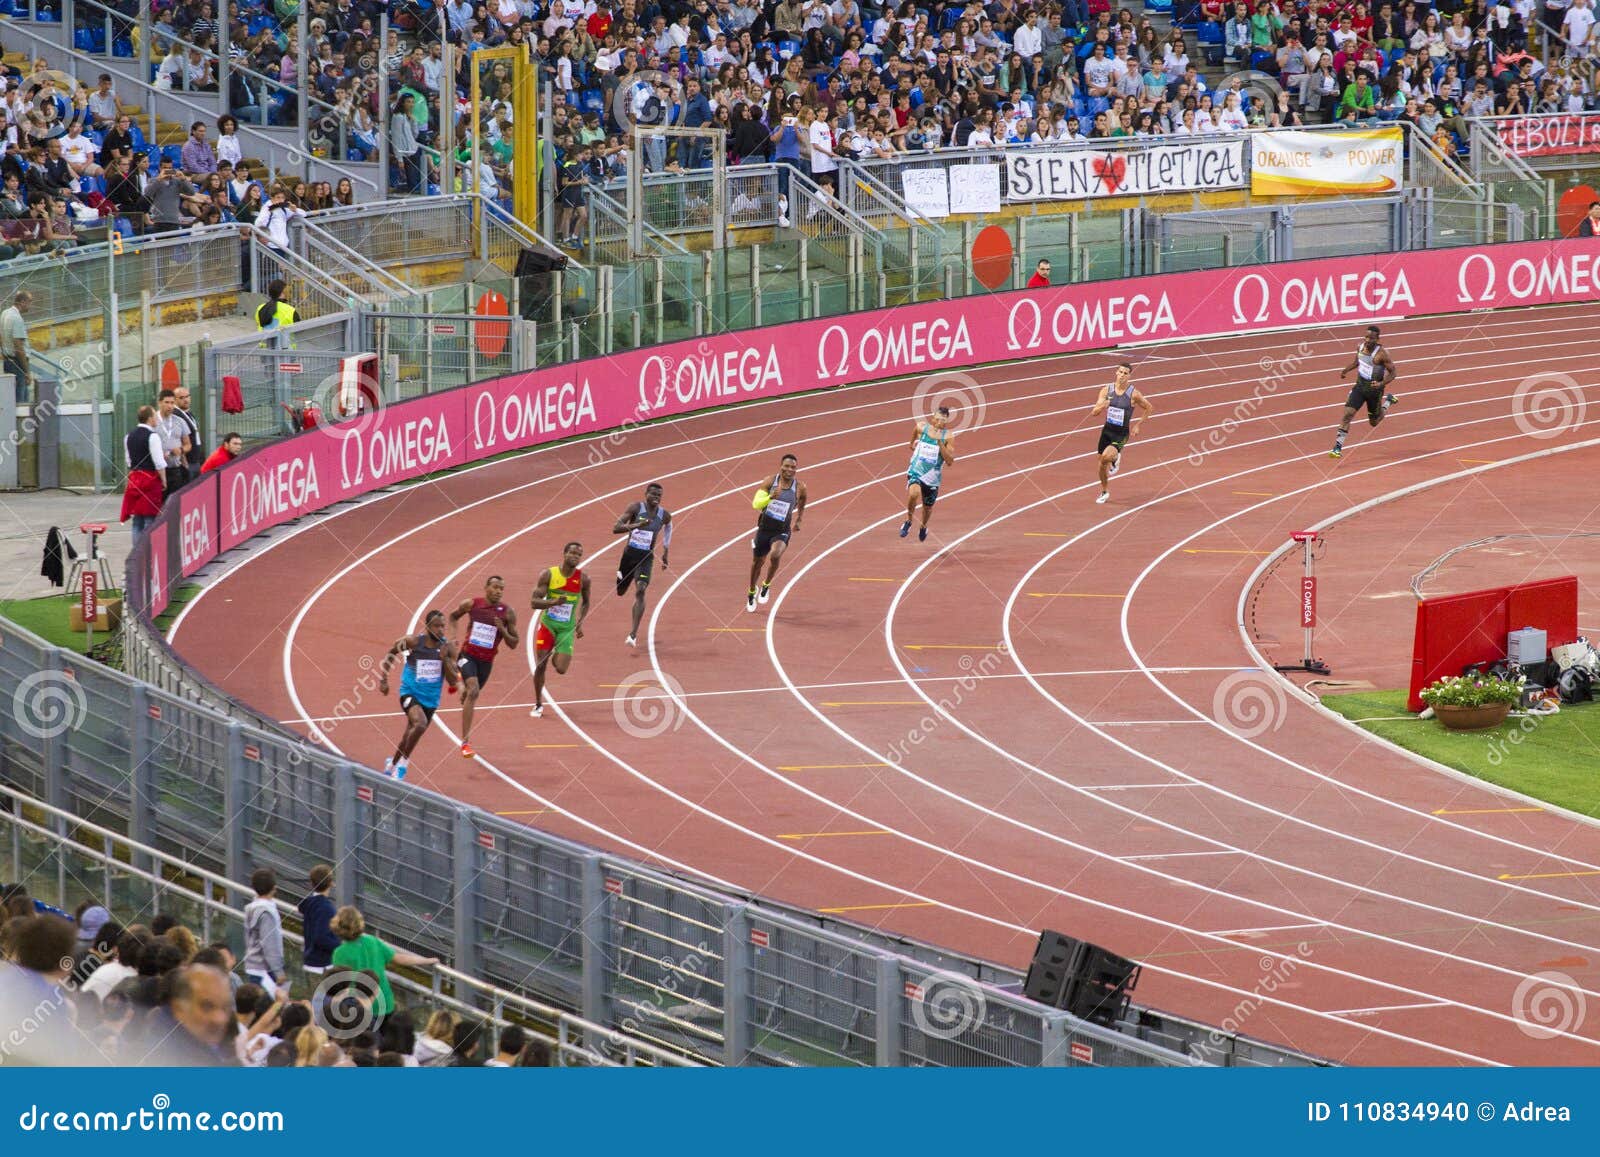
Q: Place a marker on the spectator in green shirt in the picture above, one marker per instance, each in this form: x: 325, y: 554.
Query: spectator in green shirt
x: 1264, y: 28
x: 360, y: 951
x: 1357, y: 98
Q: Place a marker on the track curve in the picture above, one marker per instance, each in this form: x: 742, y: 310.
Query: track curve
x: 1032, y: 720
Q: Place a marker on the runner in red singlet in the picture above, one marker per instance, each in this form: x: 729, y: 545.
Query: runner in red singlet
x: 490, y: 621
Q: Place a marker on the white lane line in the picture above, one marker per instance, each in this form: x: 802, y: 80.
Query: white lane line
x: 1387, y: 1008
x: 1176, y: 855
x: 721, y: 741
x: 1264, y: 929
x: 591, y: 826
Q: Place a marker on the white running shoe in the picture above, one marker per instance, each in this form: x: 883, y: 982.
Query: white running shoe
x: 538, y: 711
x: 1105, y: 496
x: 632, y: 642
x: 1115, y: 462
x: 750, y: 602
x: 388, y: 767
x: 766, y: 592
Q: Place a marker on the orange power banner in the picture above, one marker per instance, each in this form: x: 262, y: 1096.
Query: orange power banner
x: 1285, y: 163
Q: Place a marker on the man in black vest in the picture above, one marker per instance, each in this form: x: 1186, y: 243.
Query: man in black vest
x: 147, y: 469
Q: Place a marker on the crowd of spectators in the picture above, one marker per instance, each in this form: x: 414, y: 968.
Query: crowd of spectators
x: 806, y: 83
x: 84, y: 988
x: 809, y: 83
x: 74, y: 163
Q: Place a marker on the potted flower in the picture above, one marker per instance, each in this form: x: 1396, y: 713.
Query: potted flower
x: 1472, y: 702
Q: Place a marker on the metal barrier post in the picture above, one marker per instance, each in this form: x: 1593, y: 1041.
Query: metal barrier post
x: 346, y: 831
x: 465, y: 860
x: 805, y: 272
x: 755, y: 285
x: 659, y: 302
x: 142, y: 798
x: 816, y: 299
x: 887, y: 991
x: 593, y: 1003
x: 1054, y: 1050
x: 707, y: 282
x: 577, y: 342
x: 233, y: 804
x: 55, y: 787
x: 736, y: 969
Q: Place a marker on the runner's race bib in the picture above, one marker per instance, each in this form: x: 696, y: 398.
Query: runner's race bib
x: 559, y: 614
x: 778, y: 510
x: 642, y: 539
x: 1117, y: 415
x: 429, y: 670
x: 927, y: 452
x: 483, y: 634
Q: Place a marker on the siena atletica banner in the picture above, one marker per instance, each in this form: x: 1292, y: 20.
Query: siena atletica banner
x: 1077, y: 174
x: 1335, y: 163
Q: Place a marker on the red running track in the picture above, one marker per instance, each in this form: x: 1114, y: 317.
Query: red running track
x: 1046, y: 715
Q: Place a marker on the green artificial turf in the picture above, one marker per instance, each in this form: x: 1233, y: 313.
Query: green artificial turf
x: 1554, y: 758
x: 47, y: 618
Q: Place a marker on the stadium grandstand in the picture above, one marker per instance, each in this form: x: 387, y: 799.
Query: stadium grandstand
x: 321, y: 317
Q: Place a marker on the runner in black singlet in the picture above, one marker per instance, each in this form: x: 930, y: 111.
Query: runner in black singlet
x: 1375, y: 372
x: 780, y: 503
x: 1118, y: 403
x: 644, y: 523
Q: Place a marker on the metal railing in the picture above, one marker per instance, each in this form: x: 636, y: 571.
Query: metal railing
x: 275, y: 370
x: 64, y: 859
x: 719, y: 977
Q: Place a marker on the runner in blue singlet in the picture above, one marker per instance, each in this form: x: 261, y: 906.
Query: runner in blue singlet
x: 1375, y: 372
x: 932, y: 449
x: 1118, y: 402
x: 430, y: 663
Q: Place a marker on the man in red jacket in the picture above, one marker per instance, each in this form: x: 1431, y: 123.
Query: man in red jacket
x: 1041, y: 276
x: 147, y: 467
x: 232, y: 446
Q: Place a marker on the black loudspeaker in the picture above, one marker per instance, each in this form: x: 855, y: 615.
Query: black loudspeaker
x: 1081, y: 978
x: 533, y: 262
x: 1055, y: 963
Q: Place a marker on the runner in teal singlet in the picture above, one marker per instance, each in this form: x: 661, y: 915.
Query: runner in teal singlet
x: 932, y: 449
x: 430, y: 663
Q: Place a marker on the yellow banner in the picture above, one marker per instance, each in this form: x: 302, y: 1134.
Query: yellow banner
x: 1289, y: 163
